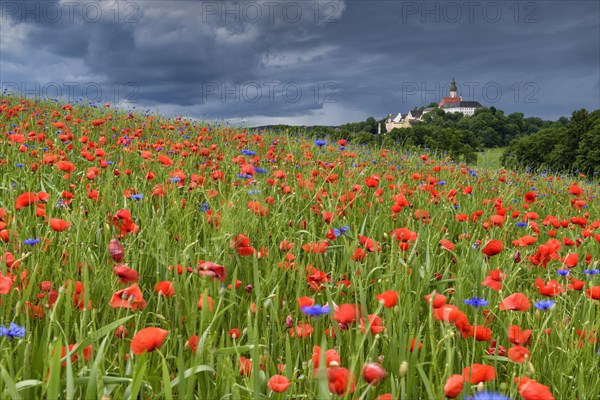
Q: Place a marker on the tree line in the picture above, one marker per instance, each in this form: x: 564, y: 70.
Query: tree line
x: 564, y: 144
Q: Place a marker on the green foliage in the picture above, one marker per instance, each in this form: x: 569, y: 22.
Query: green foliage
x: 566, y: 145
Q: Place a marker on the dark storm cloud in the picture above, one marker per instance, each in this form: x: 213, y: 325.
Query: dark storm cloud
x: 310, y: 62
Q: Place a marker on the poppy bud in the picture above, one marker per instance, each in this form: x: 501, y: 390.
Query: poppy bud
x: 374, y: 373
x: 289, y: 321
x: 530, y: 369
x: 403, y: 369
x: 121, y: 332
x: 249, y: 288
x: 517, y: 256
x: 116, y: 251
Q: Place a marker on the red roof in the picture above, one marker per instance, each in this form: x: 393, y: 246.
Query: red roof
x: 449, y: 100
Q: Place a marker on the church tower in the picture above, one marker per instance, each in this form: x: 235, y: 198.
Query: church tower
x: 452, y: 89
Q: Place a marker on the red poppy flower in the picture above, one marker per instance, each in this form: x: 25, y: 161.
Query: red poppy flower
x: 575, y: 284
x: 593, y: 293
x: 25, y: 199
x: 479, y: 373
x: 516, y: 302
x: 451, y: 314
x: 279, y: 383
x: 316, y: 279
x: 245, y: 366
x: 340, y: 380
x: 438, y: 301
x: 369, y: 244
x: 447, y: 245
x: 59, y: 225
x: 358, y: 255
x: 302, y: 331
x: 331, y: 357
x: 207, y: 268
x: 492, y: 248
x: 479, y: 332
x: 404, y: 235
x: 165, y: 288
x: 305, y: 301
x: 6, y: 283
x: 517, y: 336
x: 550, y: 289
x: 87, y: 353
x: 192, y: 343
x: 529, y: 197
x: 148, y: 339
x: 575, y: 190
x: 494, y: 280
x: 571, y: 260
x: 454, y: 386
x: 376, y: 324
x: 164, y: 160
x: 317, y: 248
x: 524, y: 241
x: 345, y: 313
x: 209, y: 301
x: 518, y: 354
x: 130, y: 297
x: 125, y: 274
x: 529, y: 389
x: 374, y: 373
x: 388, y: 299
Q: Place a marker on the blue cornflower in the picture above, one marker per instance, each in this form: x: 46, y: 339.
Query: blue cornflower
x: 13, y: 331
x: 521, y: 224
x: 544, y: 304
x: 340, y: 231
x: 476, y: 302
x: 315, y: 310
x: 31, y: 242
x: 591, y: 271
x: 563, y: 272
x: 19, y: 165
x: 320, y: 143
x: 253, y: 191
x: 244, y: 176
x: 248, y: 152
x: 175, y: 179
x: 441, y: 182
x: 488, y: 396
x: 260, y: 170
x: 138, y: 196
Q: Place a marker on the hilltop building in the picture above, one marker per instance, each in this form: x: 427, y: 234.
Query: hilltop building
x: 403, y: 121
x: 455, y: 103
x: 451, y: 104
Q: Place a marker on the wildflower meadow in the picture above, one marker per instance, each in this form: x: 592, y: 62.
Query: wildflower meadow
x: 145, y: 257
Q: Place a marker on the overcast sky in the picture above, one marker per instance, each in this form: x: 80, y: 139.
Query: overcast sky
x: 304, y: 61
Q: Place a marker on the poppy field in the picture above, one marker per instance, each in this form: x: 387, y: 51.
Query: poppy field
x: 151, y: 257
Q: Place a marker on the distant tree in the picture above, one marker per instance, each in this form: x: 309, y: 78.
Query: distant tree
x: 371, y: 125
x: 588, y: 157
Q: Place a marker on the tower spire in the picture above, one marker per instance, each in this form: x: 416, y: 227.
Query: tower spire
x: 453, y: 89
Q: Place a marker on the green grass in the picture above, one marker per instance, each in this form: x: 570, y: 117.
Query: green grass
x: 490, y: 158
